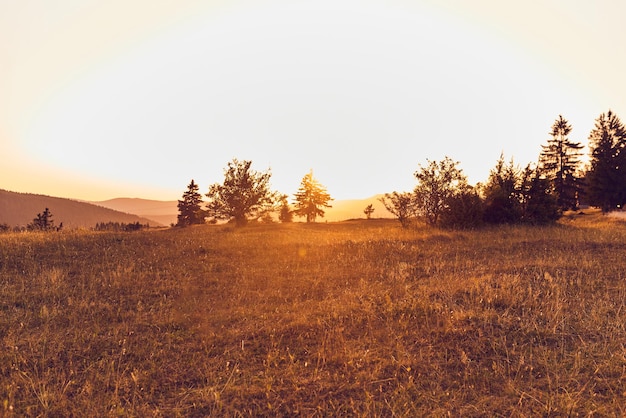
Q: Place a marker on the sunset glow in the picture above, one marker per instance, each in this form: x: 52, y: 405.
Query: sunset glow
x: 107, y: 99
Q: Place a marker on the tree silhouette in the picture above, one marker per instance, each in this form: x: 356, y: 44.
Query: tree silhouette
x: 369, y: 209
x: 436, y: 184
x: 401, y: 205
x: 606, y: 178
x: 502, y: 193
x: 244, y: 194
x: 285, y: 215
x: 311, y: 198
x: 463, y: 210
x: 43, y: 222
x: 559, y: 162
x: 189, y: 208
x: 539, y: 201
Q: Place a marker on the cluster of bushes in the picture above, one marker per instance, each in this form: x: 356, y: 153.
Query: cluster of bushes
x: 443, y: 197
x: 120, y: 226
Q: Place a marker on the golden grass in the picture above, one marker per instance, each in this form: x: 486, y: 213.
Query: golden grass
x: 355, y: 318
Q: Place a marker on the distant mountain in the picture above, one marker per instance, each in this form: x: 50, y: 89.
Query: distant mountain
x: 164, y: 212
x: 19, y: 209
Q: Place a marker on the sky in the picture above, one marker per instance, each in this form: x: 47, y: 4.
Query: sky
x: 134, y: 98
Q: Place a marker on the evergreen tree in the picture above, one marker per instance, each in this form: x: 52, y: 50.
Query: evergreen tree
x: 539, y: 202
x: 369, y: 209
x: 189, y: 208
x: 43, y: 222
x: 559, y: 163
x: 311, y: 198
x: 244, y: 194
x: 502, y: 194
x: 606, y: 178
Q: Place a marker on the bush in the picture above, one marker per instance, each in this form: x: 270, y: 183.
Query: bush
x: 464, y: 210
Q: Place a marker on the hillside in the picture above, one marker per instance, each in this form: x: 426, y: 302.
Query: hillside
x: 19, y: 209
x: 164, y: 212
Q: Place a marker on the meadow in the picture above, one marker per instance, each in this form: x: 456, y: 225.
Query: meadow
x: 355, y: 318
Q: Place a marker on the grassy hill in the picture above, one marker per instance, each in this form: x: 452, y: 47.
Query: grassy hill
x: 358, y: 318
x: 19, y: 209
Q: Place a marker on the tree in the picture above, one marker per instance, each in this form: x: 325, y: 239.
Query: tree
x: 436, y: 184
x: 285, y: 215
x: 401, y: 205
x: 539, y: 202
x: 502, y: 193
x: 369, y: 209
x: 43, y: 222
x: 463, y: 210
x: 189, y: 208
x: 311, y: 198
x: 244, y: 194
x: 606, y: 178
x: 559, y: 163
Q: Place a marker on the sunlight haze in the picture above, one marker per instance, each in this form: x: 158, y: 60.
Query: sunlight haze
x: 135, y: 98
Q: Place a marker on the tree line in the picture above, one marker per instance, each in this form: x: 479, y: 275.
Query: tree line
x: 245, y: 194
x: 537, y: 193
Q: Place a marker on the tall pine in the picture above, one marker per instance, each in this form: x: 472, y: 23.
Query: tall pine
x: 559, y: 161
x: 311, y: 198
x: 606, y: 178
x: 189, y: 208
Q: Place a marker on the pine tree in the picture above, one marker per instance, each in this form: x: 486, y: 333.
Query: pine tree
x: 311, y: 198
x: 539, y: 201
x: 559, y: 163
x: 43, y: 222
x: 502, y: 194
x: 606, y: 178
x: 189, y: 208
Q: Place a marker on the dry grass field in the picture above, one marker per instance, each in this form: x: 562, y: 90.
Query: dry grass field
x: 359, y: 318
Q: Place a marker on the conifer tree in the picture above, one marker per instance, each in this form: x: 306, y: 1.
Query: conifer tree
x: 311, y: 198
x: 502, y: 193
x: 539, y: 202
x: 606, y: 178
x: 369, y: 209
x: 189, y: 208
x: 43, y: 222
x: 559, y: 163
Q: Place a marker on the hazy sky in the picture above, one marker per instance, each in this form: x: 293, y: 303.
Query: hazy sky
x: 103, y: 99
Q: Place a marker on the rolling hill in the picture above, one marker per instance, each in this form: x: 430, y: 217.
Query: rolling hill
x: 164, y: 212
x: 19, y: 209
